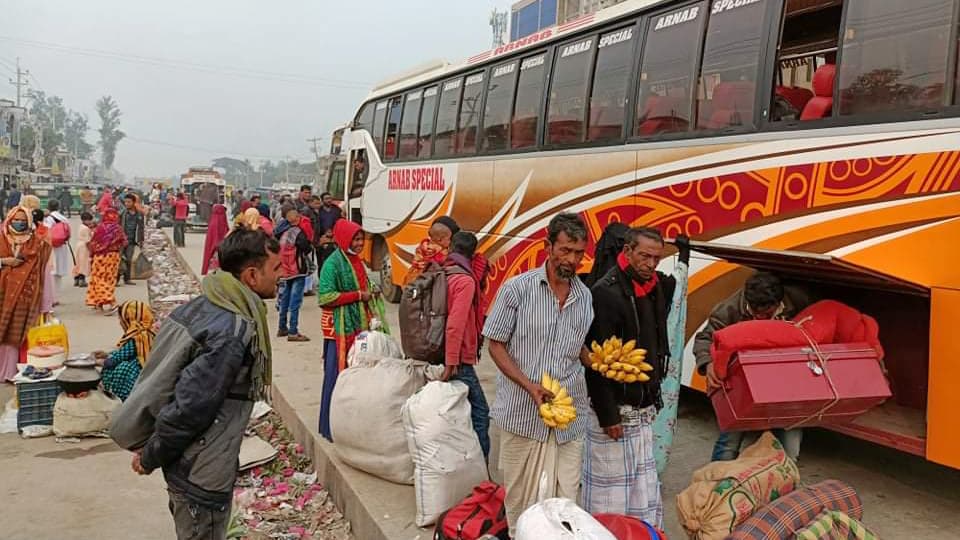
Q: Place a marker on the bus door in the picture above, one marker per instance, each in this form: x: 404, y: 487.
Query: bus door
x: 356, y: 179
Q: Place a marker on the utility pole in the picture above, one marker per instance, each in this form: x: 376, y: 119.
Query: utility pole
x: 21, y: 80
x: 316, y: 153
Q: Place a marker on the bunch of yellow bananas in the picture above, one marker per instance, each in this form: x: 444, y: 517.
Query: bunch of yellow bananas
x: 558, y: 412
x: 619, y: 361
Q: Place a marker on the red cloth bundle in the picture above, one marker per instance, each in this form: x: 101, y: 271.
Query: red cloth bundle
x: 824, y: 322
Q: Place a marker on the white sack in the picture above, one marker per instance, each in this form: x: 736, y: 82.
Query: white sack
x: 550, y: 519
x: 371, y: 344
x: 85, y: 416
x: 446, y: 453
x: 365, y: 415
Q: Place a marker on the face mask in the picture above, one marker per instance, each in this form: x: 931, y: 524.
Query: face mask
x: 19, y: 226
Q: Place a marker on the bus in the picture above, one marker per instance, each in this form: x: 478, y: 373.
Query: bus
x: 204, y: 187
x: 819, y: 139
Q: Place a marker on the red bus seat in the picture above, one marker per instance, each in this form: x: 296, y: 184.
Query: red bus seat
x: 732, y: 105
x: 797, y: 96
x: 524, y: 132
x: 821, y: 105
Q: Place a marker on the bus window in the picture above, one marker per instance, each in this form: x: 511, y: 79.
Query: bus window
x: 610, y: 80
x: 426, y: 122
x: 336, y: 183
x: 496, y: 113
x: 727, y: 85
x: 379, y: 119
x: 444, y: 138
x: 568, y: 92
x: 393, y: 127
x: 665, y: 97
x: 408, y: 125
x: 365, y: 118
x: 470, y: 114
x: 894, y: 55
x: 808, y: 43
x: 526, y: 108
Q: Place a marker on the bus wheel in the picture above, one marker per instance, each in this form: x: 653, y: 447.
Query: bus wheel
x: 391, y: 291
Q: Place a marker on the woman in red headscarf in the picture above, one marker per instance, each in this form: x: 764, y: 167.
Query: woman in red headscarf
x: 217, y: 230
x: 105, y: 247
x: 24, y: 257
x: 349, y: 305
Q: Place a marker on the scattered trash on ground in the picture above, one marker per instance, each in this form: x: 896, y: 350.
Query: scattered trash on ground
x: 282, y: 499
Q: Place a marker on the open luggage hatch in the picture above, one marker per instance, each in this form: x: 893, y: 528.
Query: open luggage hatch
x: 900, y: 306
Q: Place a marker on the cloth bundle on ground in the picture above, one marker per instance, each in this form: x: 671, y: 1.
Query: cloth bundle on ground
x: 724, y: 494
x: 559, y: 519
x: 365, y: 415
x: 447, y: 458
x: 373, y: 344
x: 629, y: 528
x: 783, y: 518
x: 827, y: 321
x: 83, y: 416
x: 835, y: 525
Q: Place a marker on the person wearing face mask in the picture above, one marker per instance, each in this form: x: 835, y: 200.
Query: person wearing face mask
x: 632, y: 302
x: 349, y: 303
x: 24, y: 259
x: 763, y: 297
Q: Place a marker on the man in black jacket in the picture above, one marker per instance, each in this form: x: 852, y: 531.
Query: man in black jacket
x: 131, y: 220
x: 210, y: 361
x: 631, y: 302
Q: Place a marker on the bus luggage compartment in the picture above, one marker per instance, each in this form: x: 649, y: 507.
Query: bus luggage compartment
x: 902, y: 310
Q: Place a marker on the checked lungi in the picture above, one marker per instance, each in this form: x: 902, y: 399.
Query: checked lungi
x: 620, y: 477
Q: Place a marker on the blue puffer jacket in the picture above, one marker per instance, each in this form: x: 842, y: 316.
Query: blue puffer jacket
x: 191, y: 405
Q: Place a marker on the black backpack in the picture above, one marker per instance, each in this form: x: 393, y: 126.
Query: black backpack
x: 423, y: 314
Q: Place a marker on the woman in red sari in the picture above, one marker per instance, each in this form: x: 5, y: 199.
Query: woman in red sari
x: 105, y: 247
x: 24, y: 259
x: 217, y: 230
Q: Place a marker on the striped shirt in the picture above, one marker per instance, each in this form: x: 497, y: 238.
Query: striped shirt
x: 540, y: 337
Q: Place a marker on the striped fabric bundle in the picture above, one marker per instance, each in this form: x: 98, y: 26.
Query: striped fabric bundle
x: 784, y: 517
x: 833, y: 525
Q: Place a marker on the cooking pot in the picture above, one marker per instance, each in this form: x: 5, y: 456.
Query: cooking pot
x: 80, y: 374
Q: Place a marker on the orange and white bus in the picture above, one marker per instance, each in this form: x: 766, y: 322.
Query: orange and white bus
x: 816, y: 138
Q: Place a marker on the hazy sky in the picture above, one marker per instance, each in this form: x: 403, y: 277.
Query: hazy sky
x: 267, y: 75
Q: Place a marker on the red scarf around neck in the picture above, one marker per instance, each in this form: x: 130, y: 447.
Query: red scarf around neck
x: 639, y: 289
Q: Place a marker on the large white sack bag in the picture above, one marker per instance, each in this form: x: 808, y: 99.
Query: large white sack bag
x: 447, y: 457
x: 373, y: 344
x: 559, y: 519
x: 365, y: 415
x: 83, y: 416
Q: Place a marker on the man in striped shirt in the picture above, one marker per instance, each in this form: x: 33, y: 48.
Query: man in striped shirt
x: 538, y: 325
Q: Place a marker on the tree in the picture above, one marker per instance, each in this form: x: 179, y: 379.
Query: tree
x: 110, y: 134
x: 75, y: 134
x: 237, y: 173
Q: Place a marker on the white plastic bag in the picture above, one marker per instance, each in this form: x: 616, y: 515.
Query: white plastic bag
x: 559, y: 519
x: 373, y: 344
x: 446, y: 453
x: 365, y: 415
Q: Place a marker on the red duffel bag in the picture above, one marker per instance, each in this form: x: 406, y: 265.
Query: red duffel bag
x: 629, y: 528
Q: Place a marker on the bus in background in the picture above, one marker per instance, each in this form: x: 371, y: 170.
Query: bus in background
x: 819, y: 139
x: 204, y: 187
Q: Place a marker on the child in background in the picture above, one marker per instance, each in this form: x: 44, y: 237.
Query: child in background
x: 433, y: 248
x: 82, y: 267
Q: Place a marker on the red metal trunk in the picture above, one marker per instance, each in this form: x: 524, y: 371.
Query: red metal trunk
x: 797, y: 387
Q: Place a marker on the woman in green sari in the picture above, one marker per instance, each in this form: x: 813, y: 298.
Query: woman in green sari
x: 349, y: 305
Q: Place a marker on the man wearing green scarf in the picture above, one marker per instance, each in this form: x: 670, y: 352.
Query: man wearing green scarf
x: 210, y: 362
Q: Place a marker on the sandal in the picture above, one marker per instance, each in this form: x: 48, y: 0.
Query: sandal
x: 298, y: 338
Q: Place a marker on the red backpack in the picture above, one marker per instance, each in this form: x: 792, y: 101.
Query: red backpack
x: 482, y: 513
x: 59, y: 233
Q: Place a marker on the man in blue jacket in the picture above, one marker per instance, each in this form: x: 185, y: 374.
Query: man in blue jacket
x: 210, y: 362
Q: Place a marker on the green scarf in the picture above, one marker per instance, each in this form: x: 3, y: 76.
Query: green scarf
x: 226, y: 291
